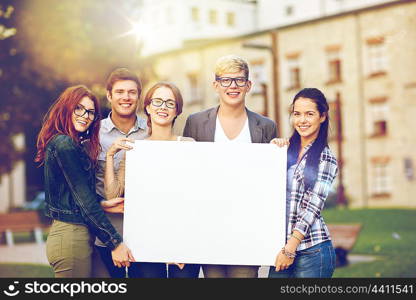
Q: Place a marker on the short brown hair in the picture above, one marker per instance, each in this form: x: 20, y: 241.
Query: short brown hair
x: 123, y: 74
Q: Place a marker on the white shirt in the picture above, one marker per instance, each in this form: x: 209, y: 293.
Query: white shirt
x: 243, y: 137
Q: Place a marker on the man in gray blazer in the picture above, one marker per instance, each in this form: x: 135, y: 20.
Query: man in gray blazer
x: 231, y: 121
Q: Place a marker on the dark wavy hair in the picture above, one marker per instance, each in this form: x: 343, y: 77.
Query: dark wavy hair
x: 58, y: 120
x: 314, y: 152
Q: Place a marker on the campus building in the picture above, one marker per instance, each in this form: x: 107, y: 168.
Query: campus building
x: 167, y: 25
x: 361, y: 53
x: 363, y: 58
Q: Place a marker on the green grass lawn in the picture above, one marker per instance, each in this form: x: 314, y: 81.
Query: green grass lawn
x: 389, y: 234
x: 19, y: 270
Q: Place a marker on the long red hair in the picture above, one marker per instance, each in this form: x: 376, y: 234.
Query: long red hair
x: 58, y: 120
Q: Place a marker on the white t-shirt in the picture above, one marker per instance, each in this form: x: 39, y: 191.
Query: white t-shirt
x: 243, y: 137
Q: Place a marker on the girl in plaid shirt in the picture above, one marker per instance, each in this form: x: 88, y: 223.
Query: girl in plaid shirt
x: 311, y: 169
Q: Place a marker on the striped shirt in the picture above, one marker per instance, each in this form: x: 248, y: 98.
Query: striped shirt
x: 306, y: 206
x: 108, y: 134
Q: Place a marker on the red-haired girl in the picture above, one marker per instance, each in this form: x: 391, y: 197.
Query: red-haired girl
x: 68, y: 147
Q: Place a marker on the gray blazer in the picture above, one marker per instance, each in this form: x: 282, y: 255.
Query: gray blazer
x: 201, y: 126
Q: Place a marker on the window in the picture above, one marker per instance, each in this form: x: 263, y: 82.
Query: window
x: 213, y: 17
x: 379, y: 113
x: 381, y: 181
x: 195, y: 14
x: 334, y: 66
x: 289, y: 10
x: 230, y: 19
x: 293, y: 72
x: 258, y: 76
x: 169, y: 16
x: 408, y: 168
x: 194, y: 92
x: 377, y: 61
x: 335, y: 125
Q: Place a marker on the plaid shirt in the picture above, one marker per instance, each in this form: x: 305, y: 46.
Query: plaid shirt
x: 305, y: 206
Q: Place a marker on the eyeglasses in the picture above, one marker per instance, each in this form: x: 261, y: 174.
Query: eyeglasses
x: 227, y: 81
x: 80, y: 111
x: 159, y: 102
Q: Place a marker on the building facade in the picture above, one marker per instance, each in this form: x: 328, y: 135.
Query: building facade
x: 166, y: 25
x: 272, y: 13
x: 364, y: 60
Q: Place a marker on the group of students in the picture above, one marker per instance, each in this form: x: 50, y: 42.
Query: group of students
x: 84, y: 166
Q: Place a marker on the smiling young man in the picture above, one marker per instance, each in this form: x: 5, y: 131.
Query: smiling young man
x: 231, y: 121
x: 123, y: 93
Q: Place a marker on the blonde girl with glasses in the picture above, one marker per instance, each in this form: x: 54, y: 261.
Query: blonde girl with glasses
x: 162, y: 105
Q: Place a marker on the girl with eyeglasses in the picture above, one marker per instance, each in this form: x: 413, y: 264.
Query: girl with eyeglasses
x: 68, y: 147
x: 162, y: 105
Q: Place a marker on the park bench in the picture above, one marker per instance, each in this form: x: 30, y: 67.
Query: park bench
x: 344, y: 237
x: 21, y: 221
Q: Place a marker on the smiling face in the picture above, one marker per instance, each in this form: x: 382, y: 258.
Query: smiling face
x: 233, y: 95
x: 162, y: 115
x: 82, y: 123
x: 306, y: 119
x: 124, y: 98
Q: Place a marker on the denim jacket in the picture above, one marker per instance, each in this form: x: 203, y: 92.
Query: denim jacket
x: 70, y: 189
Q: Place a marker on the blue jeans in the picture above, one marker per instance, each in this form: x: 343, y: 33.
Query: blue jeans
x: 315, y: 262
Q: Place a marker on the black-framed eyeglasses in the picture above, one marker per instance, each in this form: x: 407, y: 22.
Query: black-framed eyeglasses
x: 227, y: 81
x: 159, y: 102
x: 80, y: 111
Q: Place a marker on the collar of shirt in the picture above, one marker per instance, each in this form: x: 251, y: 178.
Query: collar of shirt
x: 308, y: 146
x: 107, y: 125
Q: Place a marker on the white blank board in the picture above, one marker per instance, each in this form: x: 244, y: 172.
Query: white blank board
x: 209, y: 203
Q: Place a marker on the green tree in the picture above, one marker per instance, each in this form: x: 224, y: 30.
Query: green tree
x: 79, y: 41
x: 23, y: 96
x: 9, y: 111
x: 48, y: 45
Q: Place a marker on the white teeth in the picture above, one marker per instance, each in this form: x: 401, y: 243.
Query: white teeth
x: 125, y: 105
x: 162, y: 114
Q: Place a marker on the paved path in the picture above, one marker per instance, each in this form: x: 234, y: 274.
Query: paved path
x: 24, y: 253
x: 36, y: 253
